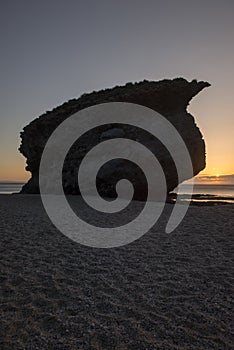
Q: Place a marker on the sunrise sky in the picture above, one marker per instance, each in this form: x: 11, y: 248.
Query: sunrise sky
x: 54, y: 50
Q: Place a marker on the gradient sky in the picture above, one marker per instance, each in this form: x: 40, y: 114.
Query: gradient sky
x: 54, y: 50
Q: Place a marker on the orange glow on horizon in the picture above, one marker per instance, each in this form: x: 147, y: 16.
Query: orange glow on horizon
x: 219, y: 156
x: 18, y: 174
x: 14, y: 170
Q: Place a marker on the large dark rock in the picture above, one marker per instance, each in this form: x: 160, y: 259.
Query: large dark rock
x: 168, y: 97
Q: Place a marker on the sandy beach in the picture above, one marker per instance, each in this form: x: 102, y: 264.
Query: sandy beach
x: 163, y: 291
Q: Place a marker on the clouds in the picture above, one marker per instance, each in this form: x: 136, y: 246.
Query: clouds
x: 216, y: 179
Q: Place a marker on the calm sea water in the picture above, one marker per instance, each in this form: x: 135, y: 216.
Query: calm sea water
x: 218, y: 190
x: 10, y: 187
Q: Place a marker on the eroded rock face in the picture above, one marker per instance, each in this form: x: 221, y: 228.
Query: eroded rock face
x: 168, y: 97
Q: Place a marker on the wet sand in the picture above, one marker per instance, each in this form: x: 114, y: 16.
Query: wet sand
x: 163, y: 291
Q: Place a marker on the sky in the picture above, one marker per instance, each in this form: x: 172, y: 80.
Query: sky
x: 53, y: 50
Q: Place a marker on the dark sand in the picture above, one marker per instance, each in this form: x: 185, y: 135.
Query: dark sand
x: 163, y: 291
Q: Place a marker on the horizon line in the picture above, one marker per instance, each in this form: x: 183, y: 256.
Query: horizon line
x: 205, y: 177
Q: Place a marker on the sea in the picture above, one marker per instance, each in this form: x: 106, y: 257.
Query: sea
x: 10, y: 187
x: 214, y: 190
x: 209, y: 193
x: 224, y: 193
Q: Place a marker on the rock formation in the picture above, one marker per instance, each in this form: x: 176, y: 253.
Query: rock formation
x: 168, y: 97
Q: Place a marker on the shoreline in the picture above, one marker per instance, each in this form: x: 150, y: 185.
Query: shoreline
x: 195, y: 200
x: 203, y: 199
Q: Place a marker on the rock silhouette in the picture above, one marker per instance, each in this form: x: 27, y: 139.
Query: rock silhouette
x: 168, y: 97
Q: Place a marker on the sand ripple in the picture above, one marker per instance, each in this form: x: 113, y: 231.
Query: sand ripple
x: 160, y: 292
